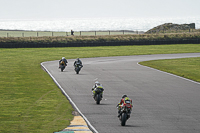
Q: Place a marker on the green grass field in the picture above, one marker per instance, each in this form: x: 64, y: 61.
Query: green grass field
x: 186, y: 67
x: 30, y: 100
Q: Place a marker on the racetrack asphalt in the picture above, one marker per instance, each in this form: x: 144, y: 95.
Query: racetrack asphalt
x: 162, y: 102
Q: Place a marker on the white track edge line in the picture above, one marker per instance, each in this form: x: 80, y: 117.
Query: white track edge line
x: 169, y: 73
x: 74, y: 105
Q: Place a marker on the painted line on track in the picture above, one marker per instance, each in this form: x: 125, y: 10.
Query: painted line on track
x: 169, y: 74
x: 92, y: 129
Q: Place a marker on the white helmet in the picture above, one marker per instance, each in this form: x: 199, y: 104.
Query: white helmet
x: 63, y: 58
x: 97, y: 83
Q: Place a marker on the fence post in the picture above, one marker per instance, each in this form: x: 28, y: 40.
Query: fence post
x: 95, y: 33
x: 109, y: 32
x: 22, y: 34
x: 7, y: 34
x: 66, y: 34
x: 80, y: 33
x: 52, y: 33
x: 123, y: 32
x: 37, y: 34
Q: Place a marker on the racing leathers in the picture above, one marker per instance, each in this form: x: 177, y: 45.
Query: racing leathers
x: 63, y: 61
x: 99, y: 86
x: 124, y: 100
x: 78, y: 61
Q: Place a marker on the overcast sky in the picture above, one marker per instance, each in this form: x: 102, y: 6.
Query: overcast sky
x: 51, y: 9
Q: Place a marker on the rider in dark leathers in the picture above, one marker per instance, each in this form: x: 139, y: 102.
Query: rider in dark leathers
x: 78, y: 61
x: 65, y: 61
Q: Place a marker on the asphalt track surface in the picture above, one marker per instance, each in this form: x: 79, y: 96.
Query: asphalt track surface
x: 163, y: 103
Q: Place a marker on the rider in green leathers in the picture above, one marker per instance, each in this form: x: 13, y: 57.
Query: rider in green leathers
x: 97, y: 85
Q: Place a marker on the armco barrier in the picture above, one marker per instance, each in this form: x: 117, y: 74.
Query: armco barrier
x: 81, y: 44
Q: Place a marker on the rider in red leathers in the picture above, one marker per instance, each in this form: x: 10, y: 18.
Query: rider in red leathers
x: 122, y: 101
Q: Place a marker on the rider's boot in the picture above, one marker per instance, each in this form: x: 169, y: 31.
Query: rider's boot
x: 101, y: 95
x: 119, y: 113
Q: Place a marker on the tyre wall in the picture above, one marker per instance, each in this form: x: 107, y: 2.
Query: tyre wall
x: 90, y: 44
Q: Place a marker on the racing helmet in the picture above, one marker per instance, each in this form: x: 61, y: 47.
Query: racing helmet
x: 124, y: 96
x: 63, y: 58
x: 97, y: 83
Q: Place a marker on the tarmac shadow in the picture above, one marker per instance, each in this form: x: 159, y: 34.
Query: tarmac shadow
x: 132, y: 126
x: 80, y: 74
x: 105, y: 104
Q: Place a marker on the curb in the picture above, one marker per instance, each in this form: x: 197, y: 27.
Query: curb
x: 77, y: 125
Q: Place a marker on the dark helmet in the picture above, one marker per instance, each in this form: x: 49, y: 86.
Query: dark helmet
x: 124, y: 96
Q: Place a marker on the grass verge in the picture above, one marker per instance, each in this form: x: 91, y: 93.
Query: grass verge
x: 30, y: 100
x: 185, y: 67
x: 101, y: 38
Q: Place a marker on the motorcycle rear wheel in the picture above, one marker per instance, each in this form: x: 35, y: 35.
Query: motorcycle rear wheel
x: 98, y: 99
x: 77, y: 72
x: 123, y: 119
x: 62, y: 68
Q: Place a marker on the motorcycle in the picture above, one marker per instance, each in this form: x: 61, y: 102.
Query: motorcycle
x: 78, y: 67
x: 62, y: 65
x: 125, y: 112
x: 98, y: 95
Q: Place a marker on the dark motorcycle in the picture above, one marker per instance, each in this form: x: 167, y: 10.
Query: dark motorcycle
x: 98, y: 95
x: 78, y: 67
x: 62, y: 65
x: 125, y: 112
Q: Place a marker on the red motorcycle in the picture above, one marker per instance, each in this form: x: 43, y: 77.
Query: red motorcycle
x: 124, y: 112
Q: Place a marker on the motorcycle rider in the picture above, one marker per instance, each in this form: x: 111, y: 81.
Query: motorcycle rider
x: 64, y: 60
x: 97, y: 85
x: 123, y: 100
x: 78, y: 61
